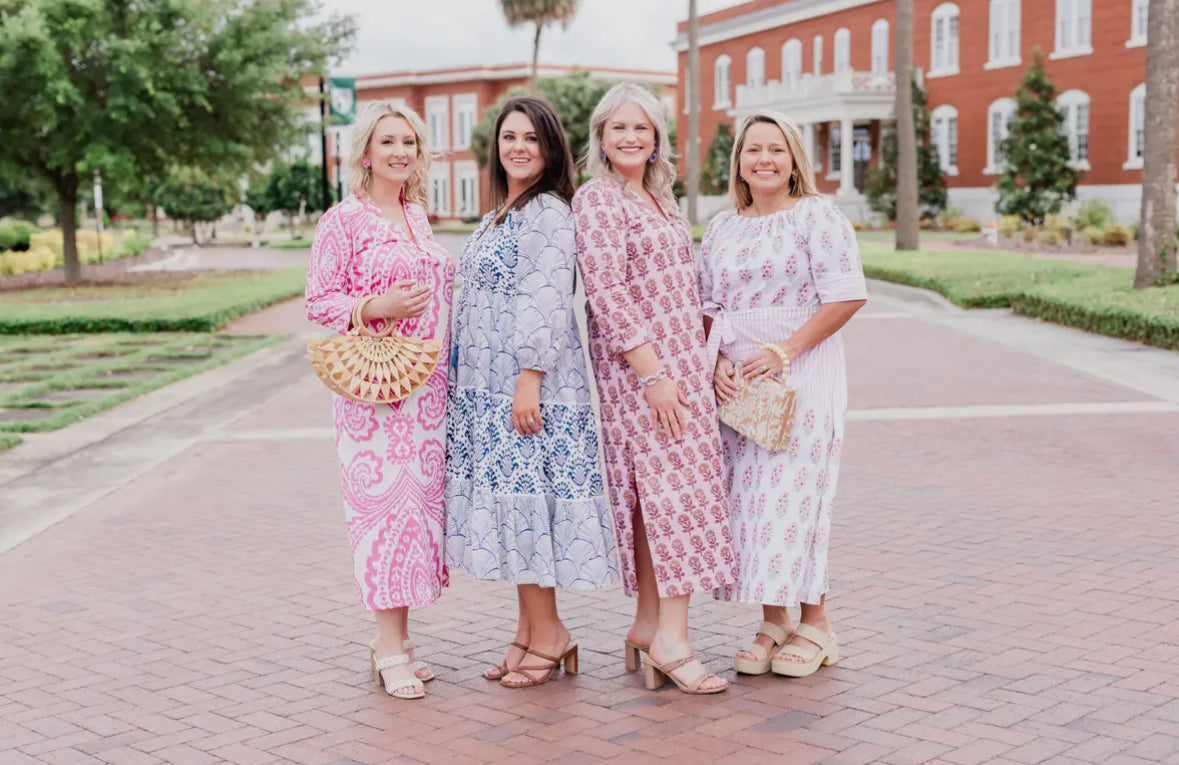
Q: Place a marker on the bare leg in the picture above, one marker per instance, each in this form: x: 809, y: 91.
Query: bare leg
x: 778, y: 615
x: 514, y: 654
x: 546, y: 633
x: 392, y: 632
x: 642, y: 632
x: 816, y: 616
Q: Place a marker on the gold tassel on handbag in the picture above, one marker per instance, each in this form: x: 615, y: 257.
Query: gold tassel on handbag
x: 763, y: 411
x: 373, y: 367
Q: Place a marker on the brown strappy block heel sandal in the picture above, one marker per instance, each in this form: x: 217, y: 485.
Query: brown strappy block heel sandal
x: 569, y: 657
x: 498, y: 671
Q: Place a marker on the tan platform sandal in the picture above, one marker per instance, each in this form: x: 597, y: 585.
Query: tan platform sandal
x: 499, y: 671
x: 569, y: 657
x: 394, y: 685
x: 827, y: 655
x: 658, y: 674
x: 634, y: 653
x: 765, y: 656
x: 418, y: 666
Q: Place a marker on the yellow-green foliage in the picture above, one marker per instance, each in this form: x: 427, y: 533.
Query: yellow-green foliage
x: 1093, y: 234
x: 1058, y: 225
x: 1115, y: 236
x: 1049, y: 238
x: 1010, y: 225
x: 37, y: 258
x: 962, y: 224
x: 45, y: 250
x: 1030, y: 233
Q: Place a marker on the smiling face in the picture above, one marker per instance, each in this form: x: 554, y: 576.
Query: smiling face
x: 765, y: 162
x: 519, y: 150
x: 392, y: 150
x: 628, y: 138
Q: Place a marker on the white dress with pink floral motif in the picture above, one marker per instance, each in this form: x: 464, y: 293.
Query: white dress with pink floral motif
x: 392, y: 456
x: 761, y: 279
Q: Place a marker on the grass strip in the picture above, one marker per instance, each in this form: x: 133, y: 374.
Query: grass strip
x: 7, y: 441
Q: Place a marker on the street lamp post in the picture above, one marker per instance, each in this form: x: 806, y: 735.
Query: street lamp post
x: 98, y: 210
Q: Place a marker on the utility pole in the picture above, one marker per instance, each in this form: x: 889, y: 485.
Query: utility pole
x: 323, y: 164
x: 692, y: 150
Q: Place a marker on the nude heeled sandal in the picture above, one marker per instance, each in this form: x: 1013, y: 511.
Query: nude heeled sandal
x: 569, y: 657
x: 634, y: 653
x: 828, y: 653
x: 499, y: 671
x: 395, y: 685
x: 658, y: 674
x: 761, y: 665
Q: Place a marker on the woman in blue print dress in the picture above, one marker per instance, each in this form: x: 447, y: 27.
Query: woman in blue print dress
x: 524, y: 491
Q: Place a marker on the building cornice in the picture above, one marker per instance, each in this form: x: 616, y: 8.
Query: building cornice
x: 766, y: 19
x: 508, y: 72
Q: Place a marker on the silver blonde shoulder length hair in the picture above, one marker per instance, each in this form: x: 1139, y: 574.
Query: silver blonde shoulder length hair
x: 362, y: 131
x: 659, y: 175
x: 802, y: 181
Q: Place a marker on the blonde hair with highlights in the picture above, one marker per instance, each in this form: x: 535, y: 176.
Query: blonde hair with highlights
x: 658, y: 176
x: 361, y: 177
x: 802, y: 183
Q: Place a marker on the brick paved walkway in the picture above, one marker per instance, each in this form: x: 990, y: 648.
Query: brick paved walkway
x: 1005, y: 587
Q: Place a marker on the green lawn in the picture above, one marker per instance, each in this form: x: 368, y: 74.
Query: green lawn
x: 1090, y: 297
x: 179, y: 303
x: 7, y: 441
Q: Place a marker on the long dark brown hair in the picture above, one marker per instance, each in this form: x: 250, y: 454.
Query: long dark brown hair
x: 557, y: 176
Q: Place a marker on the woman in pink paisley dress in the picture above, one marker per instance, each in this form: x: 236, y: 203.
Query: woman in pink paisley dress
x: 378, y: 244
x: 781, y: 275
x: 659, y: 424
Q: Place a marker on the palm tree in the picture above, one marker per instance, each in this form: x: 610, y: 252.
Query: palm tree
x: 907, y: 192
x: 692, y: 150
x: 1156, y: 233
x: 541, y: 13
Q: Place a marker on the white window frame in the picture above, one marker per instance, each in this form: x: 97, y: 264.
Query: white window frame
x: 792, y: 62
x: 464, y: 105
x: 1005, y: 34
x: 440, y: 176
x: 817, y: 55
x: 1137, y: 124
x: 834, y: 150
x: 1000, y: 106
x: 880, y: 41
x: 842, y: 54
x: 755, y: 64
x: 1139, y: 24
x: 1073, y: 29
x: 943, y: 125
x: 438, y: 122
x: 465, y: 171
x: 944, y: 36
x: 1074, y: 107
x: 722, y: 82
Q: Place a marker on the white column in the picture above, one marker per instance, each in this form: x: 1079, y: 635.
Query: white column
x: 847, y: 178
x: 808, y: 143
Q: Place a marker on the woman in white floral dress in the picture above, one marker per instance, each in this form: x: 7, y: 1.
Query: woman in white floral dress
x: 781, y: 274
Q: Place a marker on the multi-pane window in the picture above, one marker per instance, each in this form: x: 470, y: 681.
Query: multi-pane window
x: 792, y: 62
x: 755, y: 68
x: 1073, y: 26
x: 817, y: 55
x: 467, y: 177
x: 1074, y: 107
x: 1139, y: 20
x: 880, y: 47
x: 1005, y: 29
x: 835, y: 149
x: 944, y: 56
x: 464, y: 119
x: 721, y: 82
x: 437, y: 119
x: 440, y: 188
x: 842, y: 49
x: 1137, y: 127
x: 999, y: 117
x: 944, y: 136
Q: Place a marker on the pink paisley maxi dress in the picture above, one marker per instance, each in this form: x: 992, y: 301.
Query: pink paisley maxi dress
x: 641, y: 283
x: 762, y: 278
x: 392, y: 456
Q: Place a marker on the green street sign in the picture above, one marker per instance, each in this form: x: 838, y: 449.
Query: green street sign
x: 342, y: 97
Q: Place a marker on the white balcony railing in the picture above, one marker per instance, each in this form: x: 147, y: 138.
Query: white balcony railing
x: 812, y: 88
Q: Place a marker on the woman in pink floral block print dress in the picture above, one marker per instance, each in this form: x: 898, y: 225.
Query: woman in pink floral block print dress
x: 377, y: 244
x: 781, y: 275
x: 659, y: 425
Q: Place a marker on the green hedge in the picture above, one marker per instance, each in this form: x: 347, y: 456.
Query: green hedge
x: 8, y: 441
x: 1094, y: 298
x: 203, y: 307
x: 14, y: 235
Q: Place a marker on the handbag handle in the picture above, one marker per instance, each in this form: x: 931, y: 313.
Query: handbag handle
x: 362, y: 328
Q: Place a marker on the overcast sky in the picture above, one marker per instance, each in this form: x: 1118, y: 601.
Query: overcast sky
x: 396, y: 35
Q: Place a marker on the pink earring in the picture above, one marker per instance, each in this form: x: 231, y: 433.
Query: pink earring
x: 367, y: 163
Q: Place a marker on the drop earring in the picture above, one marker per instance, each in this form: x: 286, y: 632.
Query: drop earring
x: 602, y: 154
x: 654, y: 154
x: 366, y: 163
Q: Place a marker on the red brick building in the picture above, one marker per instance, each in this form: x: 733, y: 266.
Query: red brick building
x: 828, y: 64
x: 451, y: 102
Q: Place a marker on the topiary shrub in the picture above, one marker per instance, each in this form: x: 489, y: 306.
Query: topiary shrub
x: 962, y: 225
x: 1093, y: 212
x: 1050, y: 238
x: 1115, y: 236
x: 1092, y: 234
x: 1010, y: 225
x: 1030, y: 233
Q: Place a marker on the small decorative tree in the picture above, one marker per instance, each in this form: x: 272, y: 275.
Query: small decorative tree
x: 881, y: 189
x: 714, y: 179
x: 1037, y: 178
x: 195, y: 198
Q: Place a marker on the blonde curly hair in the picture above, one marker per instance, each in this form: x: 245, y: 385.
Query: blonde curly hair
x: 361, y: 177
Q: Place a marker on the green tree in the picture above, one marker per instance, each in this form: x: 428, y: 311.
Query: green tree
x: 131, y: 88
x: 882, y: 186
x: 1037, y: 179
x: 539, y: 13
x: 715, y: 178
x: 194, y: 197
x: 1157, y: 259
x: 294, y: 188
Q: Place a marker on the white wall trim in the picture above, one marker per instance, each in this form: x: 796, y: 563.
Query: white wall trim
x: 766, y: 19
x: 482, y: 74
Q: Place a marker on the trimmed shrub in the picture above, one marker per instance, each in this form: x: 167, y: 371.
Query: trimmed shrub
x: 1030, y: 233
x: 1093, y: 234
x: 963, y: 225
x: 14, y: 235
x: 1132, y: 230
x: 1093, y: 212
x: 1050, y: 238
x: 1115, y: 236
x: 1010, y: 225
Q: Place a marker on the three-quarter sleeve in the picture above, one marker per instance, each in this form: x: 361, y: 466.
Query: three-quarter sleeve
x: 325, y: 300
x: 710, y: 305
x: 601, y: 254
x: 834, y: 254
x: 546, y: 254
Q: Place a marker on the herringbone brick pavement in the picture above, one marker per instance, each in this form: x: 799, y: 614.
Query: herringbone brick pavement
x: 1005, y: 588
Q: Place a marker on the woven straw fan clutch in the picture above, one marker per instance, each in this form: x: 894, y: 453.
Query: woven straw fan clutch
x: 763, y: 412
x: 373, y: 367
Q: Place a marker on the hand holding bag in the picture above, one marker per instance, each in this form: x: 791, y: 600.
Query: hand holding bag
x: 373, y: 367
x: 763, y: 411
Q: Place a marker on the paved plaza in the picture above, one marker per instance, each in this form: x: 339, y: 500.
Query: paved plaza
x: 175, y: 585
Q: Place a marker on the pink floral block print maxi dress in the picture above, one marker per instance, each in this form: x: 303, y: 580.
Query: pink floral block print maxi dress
x: 392, y: 456
x: 640, y: 279
x: 763, y: 278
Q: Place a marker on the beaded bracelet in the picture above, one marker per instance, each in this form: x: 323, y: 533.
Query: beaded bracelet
x: 782, y: 354
x: 647, y: 382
